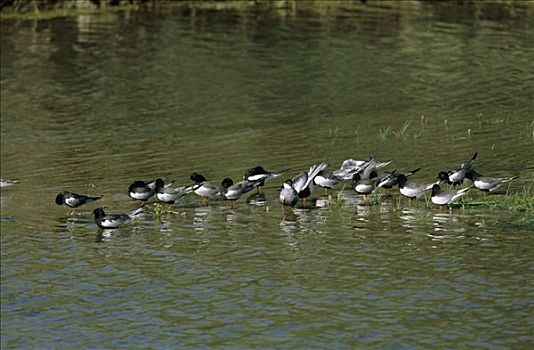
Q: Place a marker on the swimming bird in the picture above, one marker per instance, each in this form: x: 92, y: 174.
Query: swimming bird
x: 204, y: 188
x: 410, y: 189
x: 7, y: 183
x: 258, y: 173
x: 170, y: 195
x: 440, y: 197
x: 456, y: 177
x: 74, y: 200
x: 302, y: 185
x: 487, y: 184
x: 109, y: 221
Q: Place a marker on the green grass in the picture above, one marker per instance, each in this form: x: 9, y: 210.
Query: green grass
x: 336, y: 200
x: 522, y: 201
x: 402, y: 133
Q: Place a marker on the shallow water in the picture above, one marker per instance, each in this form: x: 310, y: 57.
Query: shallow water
x: 91, y: 103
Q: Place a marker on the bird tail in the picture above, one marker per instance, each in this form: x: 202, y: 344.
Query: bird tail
x: 134, y: 213
x: 412, y: 172
x: 276, y: 174
x: 510, y: 178
x: 460, y: 193
x: 383, y: 164
x: 316, y: 169
x: 471, y: 160
x: 386, y: 178
x: 92, y: 199
x: 429, y: 186
x: 189, y: 189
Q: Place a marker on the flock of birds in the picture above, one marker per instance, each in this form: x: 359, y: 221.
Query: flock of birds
x: 365, y: 175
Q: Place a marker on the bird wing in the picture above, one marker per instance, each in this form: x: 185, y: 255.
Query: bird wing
x: 300, y: 181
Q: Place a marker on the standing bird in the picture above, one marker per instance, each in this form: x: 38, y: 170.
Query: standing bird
x: 457, y: 177
x: 440, y: 197
x: 73, y: 200
x: 391, y: 179
x: 288, y: 194
x: 108, y: 221
x: 259, y: 174
x: 365, y: 186
x: 204, y: 188
x: 326, y: 180
x: 411, y: 189
x: 232, y: 191
x: 141, y: 190
x: 301, y: 185
x: 487, y: 184
x: 169, y: 195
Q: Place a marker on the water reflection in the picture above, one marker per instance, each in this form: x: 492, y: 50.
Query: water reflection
x: 104, y: 235
x: 323, y: 202
x: 413, y: 219
x: 202, y: 218
x: 257, y: 198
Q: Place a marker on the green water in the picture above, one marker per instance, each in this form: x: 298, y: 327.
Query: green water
x: 93, y: 102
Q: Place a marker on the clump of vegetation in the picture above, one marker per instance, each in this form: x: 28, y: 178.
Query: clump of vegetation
x: 336, y: 201
x: 158, y: 209
x: 522, y: 201
x: 401, y: 133
x: 489, y: 120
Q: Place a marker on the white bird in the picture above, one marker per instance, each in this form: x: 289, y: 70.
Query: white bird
x: 440, y: 197
x: 487, y: 184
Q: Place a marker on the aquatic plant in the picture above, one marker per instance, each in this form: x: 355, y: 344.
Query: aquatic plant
x: 336, y: 201
x: 357, y: 140
x: 333, y: 134
x: 401, y: 133
x: 158, y: 209
x: 489, y: 121
x: 383, y: 133
x: 375, y: 198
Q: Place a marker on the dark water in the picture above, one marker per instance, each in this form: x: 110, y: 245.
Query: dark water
x: 91, y: 103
